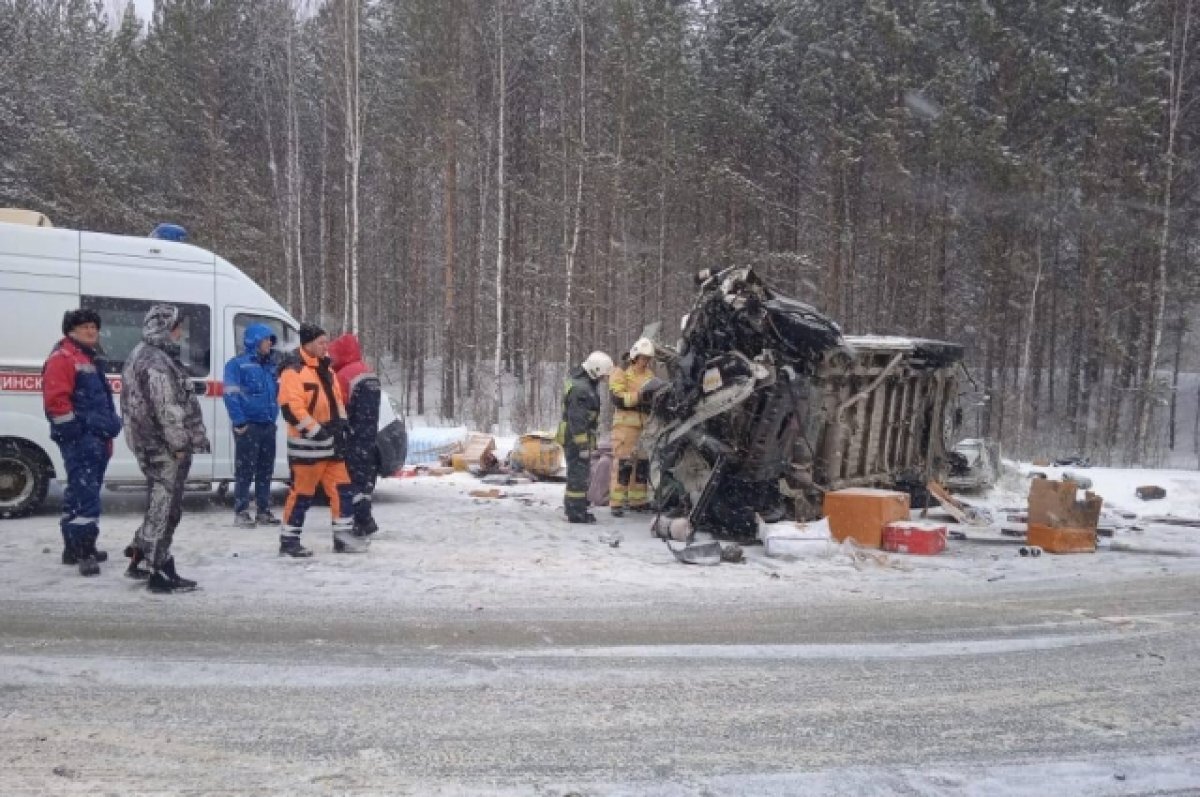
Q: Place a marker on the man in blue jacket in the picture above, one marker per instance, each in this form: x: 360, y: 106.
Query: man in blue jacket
x: 83, y: 421
x: 251, y: 398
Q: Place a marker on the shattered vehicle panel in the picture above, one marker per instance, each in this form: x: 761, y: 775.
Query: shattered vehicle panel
x: 769, y: 405
x: 974, y: 465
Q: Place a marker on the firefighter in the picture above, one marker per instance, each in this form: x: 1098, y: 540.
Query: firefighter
x: 577, y: 432
x: 311, y: 404
x: 361, y: 390
x: 630, y: 473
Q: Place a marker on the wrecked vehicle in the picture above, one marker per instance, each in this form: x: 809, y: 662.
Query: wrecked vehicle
x: 768, y: 405
x: 974, y: 465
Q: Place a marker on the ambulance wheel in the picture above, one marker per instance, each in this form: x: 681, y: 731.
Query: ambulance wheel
x: 24, y: 478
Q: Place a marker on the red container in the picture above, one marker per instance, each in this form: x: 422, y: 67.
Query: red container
x: 914, y: 536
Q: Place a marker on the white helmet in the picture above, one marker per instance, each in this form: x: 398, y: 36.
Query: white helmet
x: 643, y: 348
x: 598, y: 365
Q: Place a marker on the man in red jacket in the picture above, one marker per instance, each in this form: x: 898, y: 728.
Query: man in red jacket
x: 361, y: 391
x: 83, y: 421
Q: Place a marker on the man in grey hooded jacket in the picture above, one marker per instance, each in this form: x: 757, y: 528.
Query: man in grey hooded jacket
x: 164, y: 428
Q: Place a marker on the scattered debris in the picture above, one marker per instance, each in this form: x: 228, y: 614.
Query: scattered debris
x: 733, y: 554
x: 1058, y: 523
x: 1083, y: 481
x: 537, y: 454
x: 1171, y: 520
x: 914, y: 537
x: 1151, y: 492
x: 612, y: 540
x: 974, y: 465
x: 1009, y: 531
x: 1073, y: 462
x: 1029, y: 550
x: 957, y: 535
x: 963, y: 513
x: 505, y: 480
x: 477, y: 454
x: 64, y: 772
x: 860, y: 514
x: 666, y: 528
x: 492, y: 493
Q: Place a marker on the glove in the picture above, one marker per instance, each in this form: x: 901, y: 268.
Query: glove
x: 650, y: 389
x: 322, y: 433
x: 585, y: 455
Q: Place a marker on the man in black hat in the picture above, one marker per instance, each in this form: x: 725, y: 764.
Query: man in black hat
x: 83, y: 422
x: 312, y: 405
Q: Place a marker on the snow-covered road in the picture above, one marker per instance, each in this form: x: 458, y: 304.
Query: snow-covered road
x: 487, y: 647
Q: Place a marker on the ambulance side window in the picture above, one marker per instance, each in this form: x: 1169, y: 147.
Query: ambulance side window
x: 287, y: 338
x: 121, y: 330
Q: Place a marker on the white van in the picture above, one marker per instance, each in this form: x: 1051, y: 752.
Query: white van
x: 46, y: 271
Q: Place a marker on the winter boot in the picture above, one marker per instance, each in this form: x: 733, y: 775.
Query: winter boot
x: 349, y: 541
x: 365, y: 528
x: 242, y: 520
x: 584, y: 517
x: 88, y: 566
x: 166, y: 580
x: 134, y: 570
x: 618, y: 512
x: 265, y: 518
x: 290, y: 546
x: 69, y: 557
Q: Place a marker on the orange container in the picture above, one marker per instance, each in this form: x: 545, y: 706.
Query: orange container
x: 1054, y: 540
x: 860, y: 513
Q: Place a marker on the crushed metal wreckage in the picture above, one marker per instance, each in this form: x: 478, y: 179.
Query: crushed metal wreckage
x: 767, y: 406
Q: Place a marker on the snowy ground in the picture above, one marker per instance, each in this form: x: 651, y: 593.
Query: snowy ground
x: 442, y: 549
x: 485, y: 646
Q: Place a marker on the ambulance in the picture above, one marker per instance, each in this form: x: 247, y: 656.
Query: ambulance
x: 45, y: 271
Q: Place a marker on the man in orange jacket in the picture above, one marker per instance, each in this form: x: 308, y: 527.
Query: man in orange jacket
x: 311, y: 403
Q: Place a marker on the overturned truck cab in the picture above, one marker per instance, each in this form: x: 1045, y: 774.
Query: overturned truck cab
x: 768, y: 405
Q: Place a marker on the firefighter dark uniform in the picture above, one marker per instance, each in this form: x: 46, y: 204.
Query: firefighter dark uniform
x: 577, y: 432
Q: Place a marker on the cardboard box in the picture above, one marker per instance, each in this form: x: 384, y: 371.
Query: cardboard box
x: 1052, y: 503
x: 1062, y: 540
x: 860, y: 513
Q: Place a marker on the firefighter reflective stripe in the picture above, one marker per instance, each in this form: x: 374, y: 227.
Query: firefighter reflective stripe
x: 576, y: 494
x: 70, y: 416
x: 626, y: 387
x: 307, y: 423
x: 581, y: 439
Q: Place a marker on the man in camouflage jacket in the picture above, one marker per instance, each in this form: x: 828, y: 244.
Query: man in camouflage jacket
x: 164, y: 428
